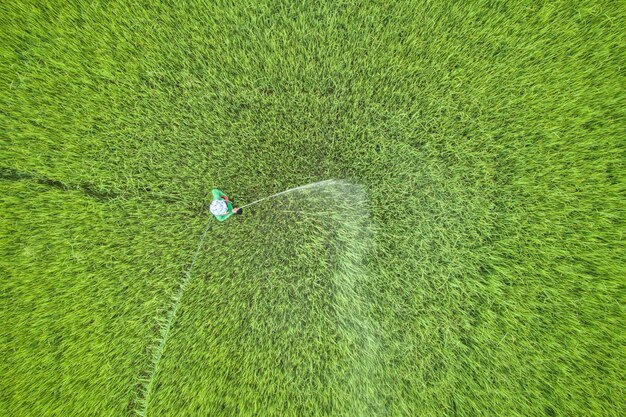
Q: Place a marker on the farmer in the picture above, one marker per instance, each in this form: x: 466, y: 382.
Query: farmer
x: 221, y: 207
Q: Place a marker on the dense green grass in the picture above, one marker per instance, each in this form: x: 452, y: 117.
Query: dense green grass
x: 479, y: 271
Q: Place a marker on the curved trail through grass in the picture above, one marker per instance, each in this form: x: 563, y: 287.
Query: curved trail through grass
x: 148, y: 382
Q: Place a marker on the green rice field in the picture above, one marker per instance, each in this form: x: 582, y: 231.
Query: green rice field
x: 464, y: 258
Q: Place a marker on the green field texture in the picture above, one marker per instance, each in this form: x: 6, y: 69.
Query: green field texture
x: 468, y: 261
